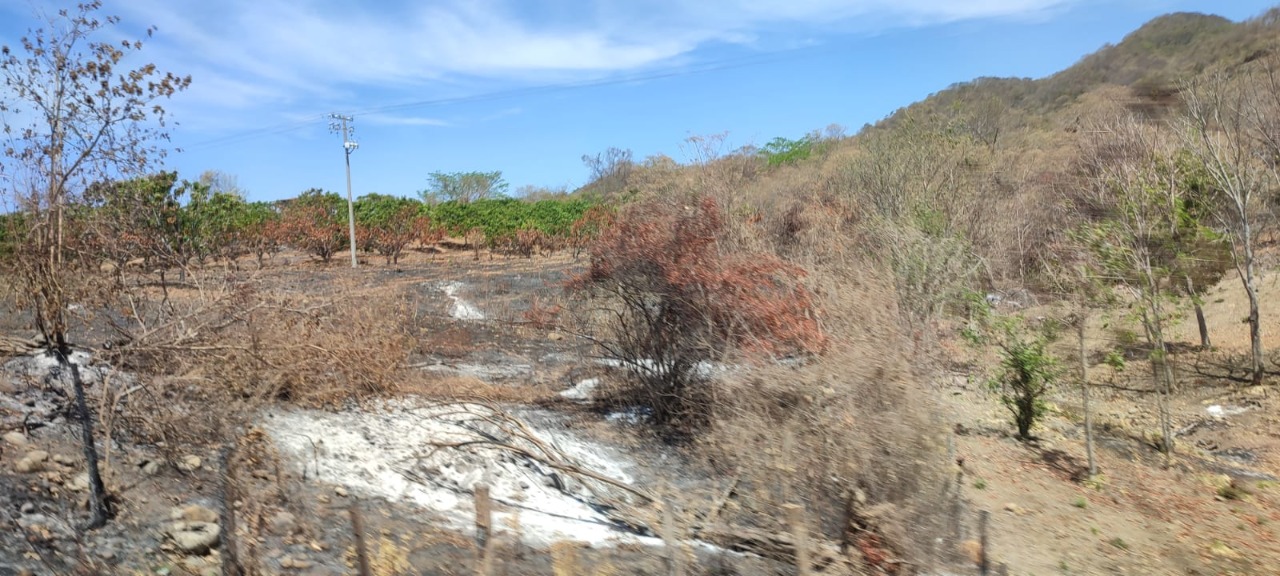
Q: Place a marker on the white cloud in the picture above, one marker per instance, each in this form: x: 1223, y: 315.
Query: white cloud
x: 247, y: 54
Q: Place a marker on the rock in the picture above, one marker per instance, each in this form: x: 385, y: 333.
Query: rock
x: 79, y: 483
x: 28, y: 508
x: 295, y: 563
x: 149, y: 467
x: 42, y: 527
x: 341, y: 491
x: 320, y: 571
x: 194, y: 537
x: 555, y: 336
x: 32, y: 462
x: 189, y: 463
x: 63, y: 460
x: 284, y: 524
x: 194, y: 513
x: 1012, y: 508
x: 15, y: 439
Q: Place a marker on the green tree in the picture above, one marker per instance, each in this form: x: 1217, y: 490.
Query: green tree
x: 1132, y: 183
x: 780, y: 150
x: 316, y: 222
x: 390, y: 223
x: 1028, y: 372
x: 75, y: 112
x: 463, y: 187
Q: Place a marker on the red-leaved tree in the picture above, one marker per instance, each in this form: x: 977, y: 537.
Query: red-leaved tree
x: 674, y: 302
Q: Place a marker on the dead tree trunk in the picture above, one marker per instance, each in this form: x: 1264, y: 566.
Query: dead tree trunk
x: 97, y: 492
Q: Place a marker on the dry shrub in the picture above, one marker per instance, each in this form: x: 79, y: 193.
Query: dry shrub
x: 208, y: 358
x: 850, y: 436
x: 671, y: 298
x: 853, y: 432
x: 318, y: 350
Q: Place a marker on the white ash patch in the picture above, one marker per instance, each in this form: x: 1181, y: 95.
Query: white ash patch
x: 461, y: 309
x: 392, y: 451
x: 486, y: 372
x: 582, y: 391
x: 1220, y: 411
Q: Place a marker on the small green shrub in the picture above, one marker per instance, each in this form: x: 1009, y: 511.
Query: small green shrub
x: 1233, y: 491
x: 1119, y: 542
x: 980, y: 484
x: 1115, y: 360
x: 1028, y: 371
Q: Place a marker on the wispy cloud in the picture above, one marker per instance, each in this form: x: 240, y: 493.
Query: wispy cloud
x: 277, y: 54
x: 393, y: 120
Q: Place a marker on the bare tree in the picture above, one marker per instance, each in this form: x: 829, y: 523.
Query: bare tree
x: 609, y: 170
x: 1130, y: 185
x: 1229, y: 124
x: 73, y: 115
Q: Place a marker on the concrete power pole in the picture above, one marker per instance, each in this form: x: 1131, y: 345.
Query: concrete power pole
x: 343, y: 123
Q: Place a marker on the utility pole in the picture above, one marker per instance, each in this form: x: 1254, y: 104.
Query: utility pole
x: 343, y: 123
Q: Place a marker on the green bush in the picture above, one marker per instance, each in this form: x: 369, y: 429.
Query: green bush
x: 1027, y: 374
x: 501, y: 218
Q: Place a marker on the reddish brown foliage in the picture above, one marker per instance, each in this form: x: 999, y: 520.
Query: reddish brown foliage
x: 314, y: 229
x: 753, y: 302
x: 677, y: 299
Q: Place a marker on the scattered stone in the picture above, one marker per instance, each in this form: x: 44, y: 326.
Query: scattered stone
x: 341, y: 491
x: 42, y: 527
x: 32, y: 462
x: 194, y: 513
x: 284, y: 524
x: 79, y: 483
x: 190, y: 463
x: 149, y: 467
x: 1013, y: 508
x: 15, y: 439
x: 194, y: 537
x: 295, y: 563
x: 320, y: 571
x: 28, y: 508
x: 203, y: 565
x: 64, y: 460
x: 555, y: 336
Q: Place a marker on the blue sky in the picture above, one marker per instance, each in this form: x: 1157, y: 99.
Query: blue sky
x: 529, y: 86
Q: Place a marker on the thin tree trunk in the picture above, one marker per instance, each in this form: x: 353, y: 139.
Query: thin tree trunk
x: 1255, y: 329
x: 97, y: 492
x: 1159, y: 368
x: 1205, y: 343
x: 1084, y: 391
